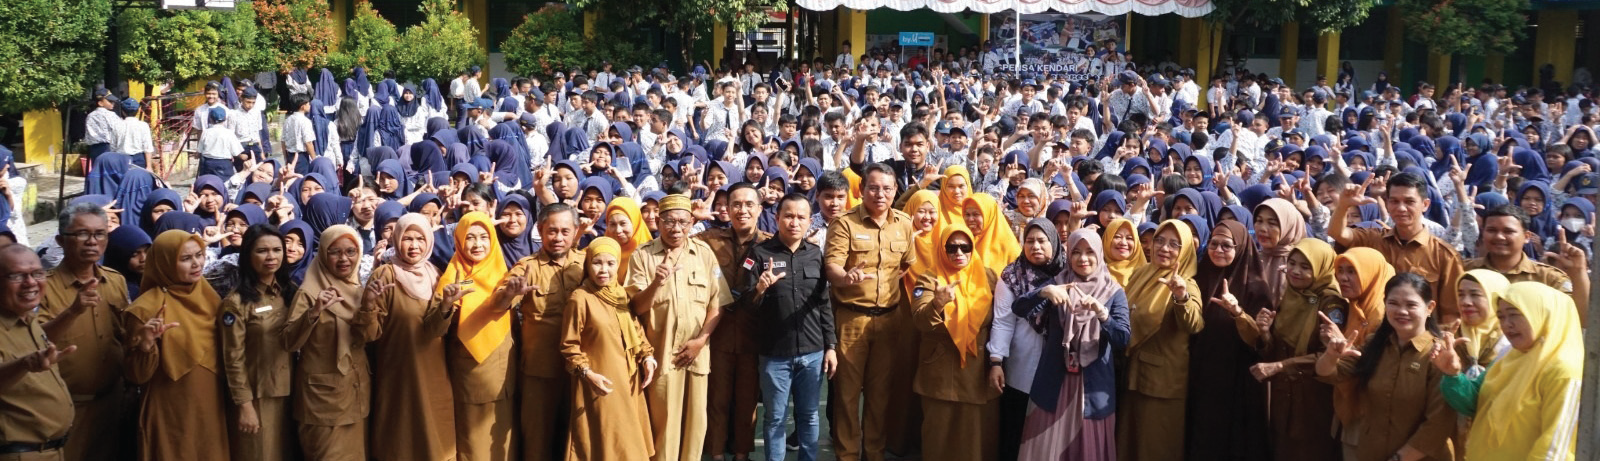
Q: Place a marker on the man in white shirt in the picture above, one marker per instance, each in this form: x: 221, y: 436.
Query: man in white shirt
x: 133, y: 135
x: 845, y: 60
x: 100, y: 128
x: 465, y: 88
x: 1188, y: 91
x: 721, y: 120
x: 247, y: 128
x: 588, y: 117
x: 213, y: 99
x: 219, y: 146
x: 299, y: 137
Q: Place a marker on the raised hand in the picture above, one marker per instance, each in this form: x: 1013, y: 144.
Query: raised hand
x: 455, y: 291
x: 768, y: 278
x: 146, y: 334
x: 1355, y: 194
x: 1568, y: 257
x: 1329, y: 331
x: 856, y: 274
x: 1444, y: 355
x: 1177, y: 285
x: 944, y: 294
x: 88, y: 297
x: 374, y: 295
x: 1227, y: 300
x: 47, y: 358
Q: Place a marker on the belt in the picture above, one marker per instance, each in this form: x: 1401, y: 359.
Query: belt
x: 14, y: 448
x: 869, y: 311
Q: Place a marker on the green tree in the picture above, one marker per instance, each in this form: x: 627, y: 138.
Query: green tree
x: 189, y: 45
x: 296, y: 33
x: 49, y: 51
x: 370, y: 41
x: 685, y: 18
x: 1322, y: 16
x: 439, y: 47
x: 1466, y: 27
x: 547, y: 41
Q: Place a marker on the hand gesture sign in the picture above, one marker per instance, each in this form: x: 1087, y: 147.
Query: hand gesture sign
x: 1444, y: 355
x: 1227, y: 300
x: 857, y: 274
x: 768, y: 278
x: 1328, y: 330
x: 44, y: 359
x: 1264, y: 321
x: 191, y: 201
x: 328, y: 297
x: 1355, y: 194
x: 943, y: 294
x: 1568, y: 257
x: 515, y: 286
x: 1177, y: 285
x: 146, y: 334
x: 455, y: 291
x: 374, y: 295
x: 487, y: 177
x: 1457, y: 175
x: 88, y: 297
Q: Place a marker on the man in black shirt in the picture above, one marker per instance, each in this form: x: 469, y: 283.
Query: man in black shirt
x: 794, y: 325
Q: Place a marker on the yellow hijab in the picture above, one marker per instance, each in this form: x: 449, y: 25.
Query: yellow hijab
x: 1122, y: 270
x: 1511, y: 387
x: 950, y: 207
x: 965, y: 316
x: 1149, y: 298
x: 612, y: 293
x: 320, y: 276
x: 480, y: 329
x: 192, y: 306
x: 927, y: 249
x: 641, y: 233
x: 1366, y: 307
x: 1494, y: 287
x: 1297, y: 311
x: 996, y: 244
x: 853, y: 198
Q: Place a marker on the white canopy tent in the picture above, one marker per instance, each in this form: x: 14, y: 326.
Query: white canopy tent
x: 1185, y: 8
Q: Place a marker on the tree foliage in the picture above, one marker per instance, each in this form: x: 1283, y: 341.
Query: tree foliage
x: 441, y: 46
x: 1318, y: 15
x: 551, y: 40
x: 297, y: 33
x: 189, y: 45
x: 49, y: 51
x: 686, y: 18
x: 1468, y: 27
x: 370, y: 41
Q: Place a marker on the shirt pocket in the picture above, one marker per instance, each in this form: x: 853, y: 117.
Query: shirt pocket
x: 328, y: 396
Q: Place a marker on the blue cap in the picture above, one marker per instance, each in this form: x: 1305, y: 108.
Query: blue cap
x: 1589, y: 183
x: 485, y: 103
x: 218, y: 114
x: 130, y: 104
x: 943, y: 127
x: 474, y: 69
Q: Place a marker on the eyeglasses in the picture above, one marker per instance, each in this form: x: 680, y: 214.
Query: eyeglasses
x: 1222, y: 246
x: 676, y: 223
x: 16, y: 277
x: 85, y: 236
x: 1170, y: 244
x: 347, y: 253
x: 953, y: 248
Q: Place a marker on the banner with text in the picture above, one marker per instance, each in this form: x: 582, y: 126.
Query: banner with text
x: 1074, y: 45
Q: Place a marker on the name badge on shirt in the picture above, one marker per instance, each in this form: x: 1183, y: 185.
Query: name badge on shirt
x: 780, y: 264
x: 263, y: 309
x: 863, y: 237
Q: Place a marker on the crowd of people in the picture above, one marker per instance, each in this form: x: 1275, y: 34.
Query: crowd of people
x: 624, y: 264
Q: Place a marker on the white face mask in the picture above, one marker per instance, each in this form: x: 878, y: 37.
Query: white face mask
x: 1572, y: 224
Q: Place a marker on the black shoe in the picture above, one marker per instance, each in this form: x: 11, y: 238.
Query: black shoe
x: 792, y: 443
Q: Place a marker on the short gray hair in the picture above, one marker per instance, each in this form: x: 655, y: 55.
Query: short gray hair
x: 73, y: 210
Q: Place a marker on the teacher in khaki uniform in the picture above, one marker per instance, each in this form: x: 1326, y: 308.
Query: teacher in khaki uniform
x: 82, y: 300
x: 35, y: 405
x: 679, y: 292
x: 546, y: 386
x: 868, y: 250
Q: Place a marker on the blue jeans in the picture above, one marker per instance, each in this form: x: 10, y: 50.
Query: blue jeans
x: 802, y: 377
x: 219, y: 167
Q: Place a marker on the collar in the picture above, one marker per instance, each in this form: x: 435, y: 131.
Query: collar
x: 1421, y: 238
x: 1524, y: 265
x: 8, y: 319
x: 71, y: 280
x: 1423, y: 342
x: 548, y: 260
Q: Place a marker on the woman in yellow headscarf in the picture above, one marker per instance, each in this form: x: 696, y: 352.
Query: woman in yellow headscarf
x: 1526, y: 405
x: 923, y: 206
x: 1165, y: 311
x: 997, y: 244
x: 954, y: 189
x: 1122, y: 249
x: 1480, y: 292
x: 954, y: 302
x: 1361, y: 273
x: 625, y: 225
x: 475, y: 288
x: 609, y: 416
x: 172, y: 352
x: 329, y: 328
x: 1302, y: 413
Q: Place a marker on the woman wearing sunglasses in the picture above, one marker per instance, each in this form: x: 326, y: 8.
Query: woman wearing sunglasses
x: 953, y: 301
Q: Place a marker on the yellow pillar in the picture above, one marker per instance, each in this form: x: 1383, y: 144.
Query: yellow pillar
x: 1188, y: 29
x: 1206, y: 38
x: 1439, y: 69
x: 1494, y: 67
x: 340, y: 13
x: 590, y: 18
x: 983, y: 28
x: 1289, y: 53
x: 1394, y: 46
x: 719, y: 41
x: 1554, y: 43
x: 41, y: 136
x: 853, y: 27
x: 1328, y: 55
x: 477, y: 11
x: 136, y: 89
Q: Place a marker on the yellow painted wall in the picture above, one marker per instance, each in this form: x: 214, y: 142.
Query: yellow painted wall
x: 719, y: 42
x: 983, y: 28
x: 590, y: 19
x: 1207, y: 40
x: 1555, y: 42
x: 478, y: 12
x: 1439, y: 70
x: 852, y: 27
x: 341, y: 18
x: 1494, y: 67
x: 1289, y: 52
x: 41, y: 133
x: 1188, y: 29
x: 1394, y: 46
